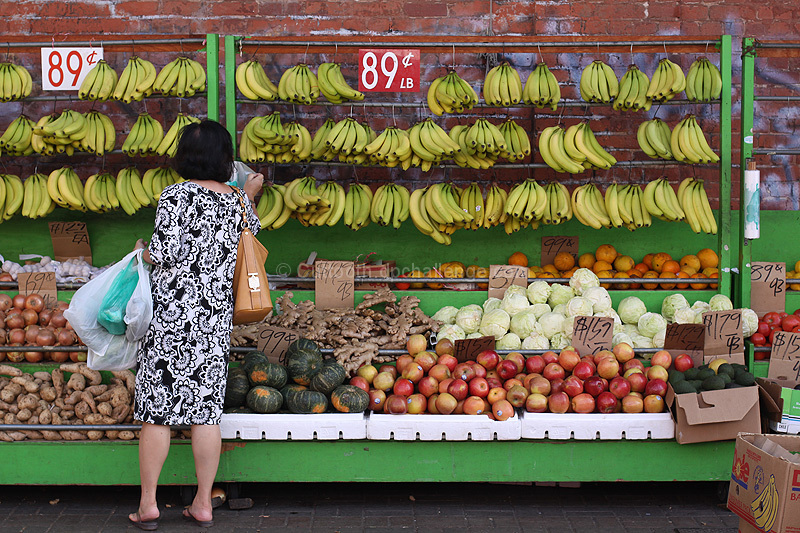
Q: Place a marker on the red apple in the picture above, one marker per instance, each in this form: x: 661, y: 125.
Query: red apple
x: 607, y: 402
x: 583, y: 403
x: 480, y: 372
x: 402, y: 361
x: 444, y: 384
x: 416, y: 343
x: 417, y: 403
x: 413, y: 372
x: 492, y: 374
x: 473, y: 405
x: 661, y: 358
x: 447, y: 360
x: 633, y: 363
x: 376, y: 400
x: 632, y: 404
x: 367, y: 372
x: 583, y: 370
x: 573, y: 386
x: 534, y: 364
x: 496, y: 394
x: 518, y: 359
x: 464, y: 371
x: 568, y: 359
x: 446, y: 403
x: 638, y: 382
x: 595, y: 385
x: 653, y: 403
x: 440, y: 372
x: 683, y: 362
x: 459, y: 389
x: 445, y: 346
x: 360, y: 382
x: 488, y: 359
x: 506, y: 369
x: 553, y: 371
x: 619, y: 387
x: 558, y: 402
x: 657, y: 372
x: 550, y: 357
x: 540, y: 385
x: 630, y: 371
x: 383, y: 381
x: 556, y: 385
x: 517, y: 395
x: 494, y: 382
x: 608, y: 368
x: 604, y: 354
x: 390, y: 369
x: 479, y: 387
x: 426, y: 360
x: 432, y: 404
x: 536, y: 403
x: 511, y: 382
x: 526, y: 381
x: 396, y: 404
x: 428, y: 386
x: 403, y: 387
x: 502, y: 410
x: 623, y: 352
x: 657, y: 387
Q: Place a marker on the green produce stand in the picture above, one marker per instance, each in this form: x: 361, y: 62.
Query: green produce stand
x: 112, y: 234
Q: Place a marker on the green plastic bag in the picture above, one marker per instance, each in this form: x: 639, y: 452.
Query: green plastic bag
x: 111, y: 314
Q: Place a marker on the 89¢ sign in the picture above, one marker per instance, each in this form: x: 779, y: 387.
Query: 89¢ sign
x: 63, y: 69
x: 388, y: 70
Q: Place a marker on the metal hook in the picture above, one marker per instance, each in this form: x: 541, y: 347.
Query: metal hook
x: 394, y: 120
x: 305, y: 54
x: 665, y: 49
x: 335, y: 50
x: 539, y: 47
x: 454, y: 56
x: 241, y: 41
x: 133, y: 47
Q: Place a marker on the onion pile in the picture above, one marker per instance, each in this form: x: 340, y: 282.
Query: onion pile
x: 25, y: 321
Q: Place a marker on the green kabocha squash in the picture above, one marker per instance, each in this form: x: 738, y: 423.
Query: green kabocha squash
x: 252, y: 358
x: 307, y: 402
x: 303, y: 361
x: 331, y: 375
x: 349, y: 399
x: 269, y: 374
x: 236, y: 387
x: 263, y: 399
x: 241, y: 410
x: 288, y: 390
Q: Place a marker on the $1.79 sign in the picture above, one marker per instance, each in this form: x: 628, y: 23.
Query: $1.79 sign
x: 388, y: 70
x: 63, y: 69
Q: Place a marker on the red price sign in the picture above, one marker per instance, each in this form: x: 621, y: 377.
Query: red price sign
x: 63, y: 69
x: 388, y: 70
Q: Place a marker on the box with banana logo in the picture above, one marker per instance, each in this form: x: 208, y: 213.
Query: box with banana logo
x: 765, y: 483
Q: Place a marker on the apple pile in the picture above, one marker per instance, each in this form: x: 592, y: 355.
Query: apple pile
x: 25, y: 321
x: 769, y: 324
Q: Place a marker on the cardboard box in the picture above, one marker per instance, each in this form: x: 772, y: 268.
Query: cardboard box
x: 780, y: 404
x: 714, y: 415
x: 744, y: 527
x: 765, y: 483
x: 383, y: 270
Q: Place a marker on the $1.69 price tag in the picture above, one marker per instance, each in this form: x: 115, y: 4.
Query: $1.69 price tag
x: 63, y: 69
x: 388, y: 70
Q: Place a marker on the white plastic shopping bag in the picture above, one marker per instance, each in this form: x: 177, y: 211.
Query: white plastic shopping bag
x: 107, y: 351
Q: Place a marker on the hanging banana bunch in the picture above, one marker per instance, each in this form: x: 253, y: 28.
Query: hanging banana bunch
x: 654, y: 139
x: 626, y: 207
x: 430, y: 144
x: 99, y: 83
x: 502, y: 86
x: 253, y: 83
x: 694, y: 201
x: 36, y: 201
x: 65, y: 189
x: 348, y: 139
x: 272, y: 210
x: 541, y: 88
x: 333, y: 86
x: 12, y: 195
x: 265, y: 139
x: 703, y: 82
x: 181, y: 77
x: 633, y: 91
x: 135, y: 82
x: 588, y: 206
x: 61, y: 134
x: 573, y: 150
x: 450, y: 94
x: 18, y: 137
x: 526, y: 205
x: 518, y: 145
x: 688, y: 143
x: 390, y: 205
x: 169, y: 144
x: 15, y: 82
x: 299, y: 85
x: 357, y: 207
x: 660, y: 201
x: 559, y: 205
x: 156, y: 180
x: 391, y: 148
x: 467, y: 156
x: 598, y: 83
x: 667, y: 81
x: 144, y: 138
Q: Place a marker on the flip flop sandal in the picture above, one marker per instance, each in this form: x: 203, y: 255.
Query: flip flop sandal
x: 188, y: 516
x: 146, y: 525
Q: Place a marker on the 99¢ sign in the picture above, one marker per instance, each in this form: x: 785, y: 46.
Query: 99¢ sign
x: 388, y: 70
x: 63, y: 69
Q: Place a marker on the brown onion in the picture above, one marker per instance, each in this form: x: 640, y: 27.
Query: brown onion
x: 2, y: 336
x: 5, y: 302
x: 30, y: 333
x: 34, y: 301
x: 58, y: 319
x: 77, y: 357
x: 46, y: 337
x: 30, y: 316
x: 59, y: 357
x: 34, y: 357
x: 44, y: 316
x: 19, y: 301
x: 16, y: 357
x: 6, y: 276
x: 15, y: 321
x: 65, y: 337
x: 62, y: 306
x: 2, y: 317
x: 16, y: 336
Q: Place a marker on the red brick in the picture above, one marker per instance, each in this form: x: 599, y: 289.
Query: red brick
x: 424, y: 9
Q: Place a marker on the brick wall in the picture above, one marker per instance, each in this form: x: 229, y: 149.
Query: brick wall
x: 769, y: 19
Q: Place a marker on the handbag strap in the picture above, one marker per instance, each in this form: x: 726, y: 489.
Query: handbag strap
x: 244, y: 208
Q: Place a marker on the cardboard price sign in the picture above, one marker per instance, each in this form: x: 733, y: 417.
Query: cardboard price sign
x: 723, y: 336
x: 41, y: 283
x: 785, y: 345
x: 334, y: 284
x: 274, y: 342
x: 552, y: 245
x: 468, y: 349
x: 767, y: 287
x: 686, y: 338
x: 501, y: 277
x: 590, y: 334
x: 70, y: 241
x: 388, y: 70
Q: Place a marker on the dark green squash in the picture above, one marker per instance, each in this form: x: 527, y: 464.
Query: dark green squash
x: 303, y: 361
x: 307, y: 402
x: 269, y: 374
x: 350, y: 399
x: 288, y: 390
x: 241, y: 410
x: 252, y: 358
x: 331, y: 375
x: 236, y: 387
x: 263, y: 399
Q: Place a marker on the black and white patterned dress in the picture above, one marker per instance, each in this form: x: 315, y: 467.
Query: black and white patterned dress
x: 183, y: 357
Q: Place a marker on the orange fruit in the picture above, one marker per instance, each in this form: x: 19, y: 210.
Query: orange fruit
x: 634, y: 273
x: 713, y: 285
x: 623, y: 263
x: 452, y: 269
x: 416, y: 274
x: 682, y: 275
x: 667, y: 285
x: 605, y: 274
x: 432, y: 273
x: 470, y: 271
x: 552, y: 269
x: 569, y: 273
x: 698, y: 286
x: 688, y: 270
x: 659, y: 259
x: 671, y: 266
x: 797, y: 266
x: 691, y: 261
x: 532, y: 273
x: 622, y: 286
x: 518, y: 258
x: 648, y: 260
x: 606, y: 252
x: 482, y: 272
x: 642, y: 268
x: 650, y: 274
x: 710, y: 271
x: 601, y: 266
x: 545, y: 274
x: 708, y: 258
x: 535, y: 268
x: 563, y: 261
x: 586, y: 260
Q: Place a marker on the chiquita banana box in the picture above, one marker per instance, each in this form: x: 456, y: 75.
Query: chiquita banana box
x: 765, y: 482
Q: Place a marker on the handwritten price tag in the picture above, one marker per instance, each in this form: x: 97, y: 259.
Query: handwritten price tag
x: 590, y: 334
x: 334, y: 284
x: 274, y: 342
x: 723, y: 336
x: 785, y: 371
x: 786, y: 345
x: 767, y: 287
x: 388, y: 70
x: 552, y: 245
x: 63, y: 69
x: 41, y: 283
x: 70, y: 240
x: 468, y: 349
x: 501, y: 277
x: 686, y: 338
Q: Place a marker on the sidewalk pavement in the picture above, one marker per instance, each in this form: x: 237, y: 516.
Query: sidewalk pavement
x: 388, y: 507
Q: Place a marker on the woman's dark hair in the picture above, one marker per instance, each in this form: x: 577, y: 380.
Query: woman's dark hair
x: 205, y: 152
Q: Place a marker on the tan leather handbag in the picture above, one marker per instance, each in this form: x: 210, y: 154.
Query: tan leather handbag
x: 251, y: 299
